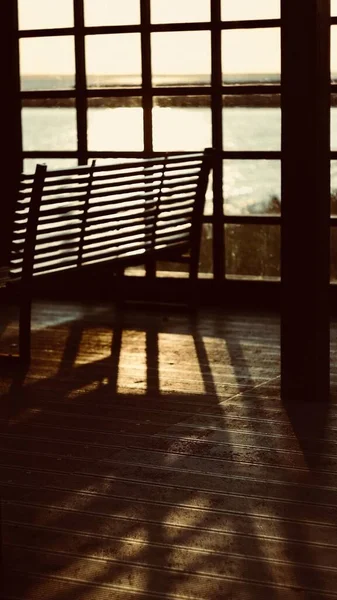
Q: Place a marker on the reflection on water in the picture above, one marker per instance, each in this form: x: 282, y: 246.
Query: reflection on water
x: 249, y: 185
x: 174, y: 128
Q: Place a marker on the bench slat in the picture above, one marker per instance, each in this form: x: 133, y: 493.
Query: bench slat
x: 130, y: 257
x: 119, y: 247
x: 122, y: 212
x: 124, y: 166
x: 153, y: 175
x: 103, y: 220
x: 63, y: 193
x: 68, y: 246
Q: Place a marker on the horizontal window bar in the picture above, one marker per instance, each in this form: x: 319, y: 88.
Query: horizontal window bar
x: 244, y: 155
x: 222, y: 25
x: 252, y: 154
x: 251, y: 24
x: 253, y: 220
x: 30, y: 33
x: 157, y: 27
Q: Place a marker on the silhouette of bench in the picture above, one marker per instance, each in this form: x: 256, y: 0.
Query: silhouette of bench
x: 122, y: 214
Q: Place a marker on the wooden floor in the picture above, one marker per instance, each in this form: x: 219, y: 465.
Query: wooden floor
x: 147, y: 455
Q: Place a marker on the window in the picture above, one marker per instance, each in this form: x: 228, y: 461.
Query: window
x: 333, y: 143
x: 117, y: 81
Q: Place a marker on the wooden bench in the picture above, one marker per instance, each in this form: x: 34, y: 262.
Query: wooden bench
x: 122, y: 214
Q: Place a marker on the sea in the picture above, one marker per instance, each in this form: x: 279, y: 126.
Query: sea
x: 249, y: 186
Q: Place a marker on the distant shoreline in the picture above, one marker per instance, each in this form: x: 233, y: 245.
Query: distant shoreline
x: 244, y: 100
x: 234, y: 101
x: 100, y: 83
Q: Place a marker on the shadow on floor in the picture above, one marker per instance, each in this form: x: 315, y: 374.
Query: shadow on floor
x: 165, y: 468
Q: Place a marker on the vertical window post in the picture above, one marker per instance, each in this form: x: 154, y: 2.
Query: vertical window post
x: 218, y: 213
x: 81, y: 100
x: 305, y: 253
x: 145, y: 13
x: 11, y: 112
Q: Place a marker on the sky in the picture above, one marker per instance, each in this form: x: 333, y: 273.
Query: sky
x: 244, y: 51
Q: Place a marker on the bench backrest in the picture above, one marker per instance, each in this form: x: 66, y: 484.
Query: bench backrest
x: 129, y: 211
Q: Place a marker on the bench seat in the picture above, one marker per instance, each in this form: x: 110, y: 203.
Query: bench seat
x: 122, y: 214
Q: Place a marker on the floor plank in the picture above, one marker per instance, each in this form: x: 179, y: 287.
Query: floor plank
x: 148, y: 455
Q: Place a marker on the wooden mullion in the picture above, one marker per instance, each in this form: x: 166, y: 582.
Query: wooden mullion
x: 233, y: 90
x: 164, y: 27
x: 253, y: 219
x: 50, y: 32
x: 233, y: 154
x: 155, y: 27
x: 251, y: 24
x: 217, y: 143
x: 146, y: 74
x: 12, y: 128
x: 305, y: 248
x: 81, y: 101
x: 252, y: 154
x: 111, y: 29
x: 128, y: 154
x: 147, y: 98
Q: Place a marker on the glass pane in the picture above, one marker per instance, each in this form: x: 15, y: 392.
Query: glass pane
x: 251, y: 122
x: 241, y: 10
x: 29, y: 164
x: 251, y: 55
x: 333, y: 122
x: 180, y: 11
x: 252, y: 187
x: 47, y: 63
x: 206, y: 249
x: 113, y: 60
x: 333, y: 254
x: 45, y: 14
x: 106, y: 12
x: 333, y: 8
x: 49, y: 128
x: 253, y: 251
x: 182, y: 123
x: 334, y: 53
x: 167, y: 269
x: 333, y: 230
x: 333, y: 188
x: 181, y: 58
x: 208, y: 209
x: 115, y: 124
x: 113, y: 161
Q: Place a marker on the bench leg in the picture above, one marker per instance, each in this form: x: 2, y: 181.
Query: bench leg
x: 25, y: 330
x: 192, y: 299
x: 119, y: 291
